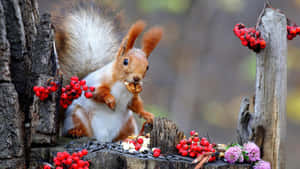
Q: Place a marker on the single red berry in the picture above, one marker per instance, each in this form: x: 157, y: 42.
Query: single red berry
x: 192, y: 154
x: 35, y: 88
x: 196, y: 139
x: 80, y: 154
x: 185, y: 146
x: 290, y: 37
x: 68, y: 87
x: 211, y: 159
x: 84, y: 152
x: 76, y: 86
x: 156, y: 149
x: 88, y: 95
x: 74, y: 166
x: 82, y: 82
x: 156, y: 154
x: 92, y: 88
x: 53, y: 88
x: 257, y: 33
x: 184, y: 153
x: 137, y: 147
x: 64, y: 96
x: 298, y: 29
x: 182, y: 141
x: 47, y: 167
x: 57, y: 163
x: 80, y: 163
x: 262, y: 44
x: 140, y: 140
x: 189, y: 141
x: 192, y: 132
x: 69, y: 161
x: 198, y: 148
x: 85, y: 87
x: 293, y: 31
x: 76, y: 158
x: 178, y: 146
x: 37, y: 93
x: 87, y: 163
x: 65, y: 106
x: 252, y: 39
x: 63, y: 89
x: 75, y: 78
x: 242, y: 38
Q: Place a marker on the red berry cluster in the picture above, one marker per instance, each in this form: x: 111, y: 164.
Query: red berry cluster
x: 249, y: 37
x: 74, y: 90
x: 195, y: 146
x: 156, y: 152
x: 64, y: 160
x: 293, y: 31
x: 43, y: 92
x: 69, y: 92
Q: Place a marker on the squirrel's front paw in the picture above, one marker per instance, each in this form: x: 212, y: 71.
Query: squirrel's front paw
x: 110, y: 101
x: 149, y: 117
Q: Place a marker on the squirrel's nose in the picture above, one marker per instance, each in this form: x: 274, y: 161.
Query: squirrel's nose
x: 136, y: 79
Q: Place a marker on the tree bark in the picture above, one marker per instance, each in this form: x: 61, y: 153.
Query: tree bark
x: 165, y: 135
x: 267, y: 125
x: 26, y: 59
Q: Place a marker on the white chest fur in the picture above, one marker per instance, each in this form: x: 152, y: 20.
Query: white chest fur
x: 107, y: 123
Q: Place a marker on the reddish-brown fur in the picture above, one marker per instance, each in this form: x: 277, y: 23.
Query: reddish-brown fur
x: 127, y: 130
x: 80, y: 129
x: 138, y: 107
x: 151, y: 39
x: 103, y: 95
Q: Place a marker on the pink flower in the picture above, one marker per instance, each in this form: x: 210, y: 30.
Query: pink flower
x: 234, y: 154
x: 252, y: 152
x: 262, y: 165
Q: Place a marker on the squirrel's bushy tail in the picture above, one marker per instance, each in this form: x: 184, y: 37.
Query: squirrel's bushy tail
x: 87, y: 37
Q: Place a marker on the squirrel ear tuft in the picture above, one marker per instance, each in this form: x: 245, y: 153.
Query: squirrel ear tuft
x: 134, y: 32
x: 128, y: 41
x: 151, y: 39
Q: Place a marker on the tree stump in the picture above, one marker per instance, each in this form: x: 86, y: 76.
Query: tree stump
x: 26, y: 59
x: 165, y: 135
x: 267, y: 125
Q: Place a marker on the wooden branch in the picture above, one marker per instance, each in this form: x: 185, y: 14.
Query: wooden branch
x: 244, y: 130
x: 267, y: 125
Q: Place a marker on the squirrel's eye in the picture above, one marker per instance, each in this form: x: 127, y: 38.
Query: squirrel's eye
x: 125, y: 62
x: 147, y: 67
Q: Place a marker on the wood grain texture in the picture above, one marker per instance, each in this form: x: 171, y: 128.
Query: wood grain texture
x: 267, y: 125
x: 165, y: 135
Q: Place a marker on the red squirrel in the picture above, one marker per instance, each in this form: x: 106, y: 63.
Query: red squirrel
x: 87, y: 46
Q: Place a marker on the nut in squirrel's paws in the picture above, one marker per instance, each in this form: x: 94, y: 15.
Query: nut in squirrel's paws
x: 133, y: 88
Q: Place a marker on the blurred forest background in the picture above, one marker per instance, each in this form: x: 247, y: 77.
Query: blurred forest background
x: 200, y: 71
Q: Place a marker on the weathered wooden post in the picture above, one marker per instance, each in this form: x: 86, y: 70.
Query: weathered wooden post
x: 267, y: 125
